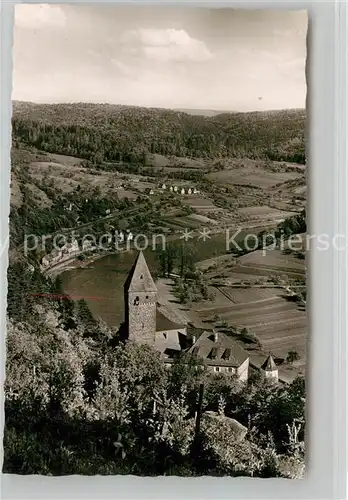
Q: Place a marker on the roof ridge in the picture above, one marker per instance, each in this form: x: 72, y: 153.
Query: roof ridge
x: 205, y: 345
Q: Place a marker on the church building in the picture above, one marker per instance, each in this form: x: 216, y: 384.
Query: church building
x: 146, y: 324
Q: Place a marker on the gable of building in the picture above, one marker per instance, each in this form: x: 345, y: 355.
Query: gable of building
x: 217, y: 349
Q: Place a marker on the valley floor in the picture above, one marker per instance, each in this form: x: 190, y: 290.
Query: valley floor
x: 264, y: 309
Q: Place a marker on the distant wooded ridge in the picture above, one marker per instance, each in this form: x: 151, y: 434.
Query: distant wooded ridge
x: 215, y: 112
x: 107, y: 132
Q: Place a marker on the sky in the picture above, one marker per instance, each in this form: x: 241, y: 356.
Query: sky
x: 160, y: 56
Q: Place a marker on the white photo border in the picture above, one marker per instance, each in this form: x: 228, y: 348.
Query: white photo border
x: 326, y: 475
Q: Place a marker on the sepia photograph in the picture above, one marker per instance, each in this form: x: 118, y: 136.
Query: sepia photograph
x: 156, y: 281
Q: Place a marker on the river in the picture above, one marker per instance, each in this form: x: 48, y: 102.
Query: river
x: 101, y: 282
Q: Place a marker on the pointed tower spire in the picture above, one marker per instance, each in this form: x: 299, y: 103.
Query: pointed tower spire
x: 140, y: 294
x: 270, y: 368
x: 269, y: 364
x: 139, y: 278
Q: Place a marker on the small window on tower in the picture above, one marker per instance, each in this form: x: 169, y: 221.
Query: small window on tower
x: 141, y: 276
x: 136, y: 301
x: 147, y: 296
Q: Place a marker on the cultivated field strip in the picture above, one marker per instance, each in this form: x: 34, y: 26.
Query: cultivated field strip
x: 239, y: 295
x: 261, y: 307
x: 264, y: 270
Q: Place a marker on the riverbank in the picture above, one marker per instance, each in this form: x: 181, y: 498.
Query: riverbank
x: 74, y: 263
x: 210, y: 244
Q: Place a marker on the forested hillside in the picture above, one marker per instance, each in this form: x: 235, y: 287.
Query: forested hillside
x: 78, y: 404
x: 104, y: 132
x: 77, y: 400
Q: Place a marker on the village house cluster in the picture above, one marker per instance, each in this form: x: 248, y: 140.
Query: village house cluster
x: 181, y: 190
x: 69, y: 250
x: 174, y: 189
x: 73, y: 248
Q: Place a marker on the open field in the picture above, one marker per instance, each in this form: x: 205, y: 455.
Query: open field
x: 189, y: 222
x: 214, y: 262
x: 201, y: 218
x: 288, y: 165
x: 242, y: 206
x: 200, y: 204
x: 279, y: 325
x: 275, y: 261
x: 67, y: 178
x: 250, y: 272
x: 264, y: 213
x: 252, y: 175
x: 292, y: 192
x: 252, y: 294
x: 126, y: 193
x: 237, y: 278
x: 69, y: 161
x: 243, y: 297
x: 160, y: 161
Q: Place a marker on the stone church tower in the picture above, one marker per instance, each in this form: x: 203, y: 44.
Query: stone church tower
x: 140, y: 296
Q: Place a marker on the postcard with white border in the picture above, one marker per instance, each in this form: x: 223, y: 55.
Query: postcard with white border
x: 156, y: 307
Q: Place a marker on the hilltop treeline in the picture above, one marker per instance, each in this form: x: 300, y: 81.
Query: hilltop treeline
x: 103, y: 132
